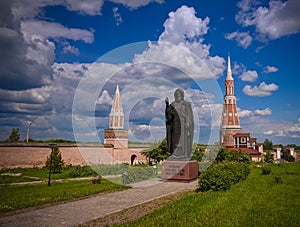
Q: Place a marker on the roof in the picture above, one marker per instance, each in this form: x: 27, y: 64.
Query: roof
x: 246, y: 150
x: 252, y: 139
x: 241, y: 134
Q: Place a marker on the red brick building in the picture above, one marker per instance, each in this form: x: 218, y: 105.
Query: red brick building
x: 231, y: 135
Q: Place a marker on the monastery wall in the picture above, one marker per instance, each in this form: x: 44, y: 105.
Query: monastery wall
x: 30, y: 156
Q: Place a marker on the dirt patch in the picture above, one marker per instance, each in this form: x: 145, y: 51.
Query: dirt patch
x: 136, y: 211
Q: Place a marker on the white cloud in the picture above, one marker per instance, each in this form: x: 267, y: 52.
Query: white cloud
x: 40, y: 50
x: 178, y: 56
x: 90, y: 7
x: 270, y: 69
x: 254, y: 113
x: 117, y: 16
x: 249, y: 75
x: 269, y: 132
x: 277, y: 20
x: 181, y: 45
x: 105, y: 98
x: 262, y: 90
x: 54, y: 30
x: 71, y: 49
x: 134, y: 4
x: 242, y: 38
x: 183, y: 25
x: 295, y: 128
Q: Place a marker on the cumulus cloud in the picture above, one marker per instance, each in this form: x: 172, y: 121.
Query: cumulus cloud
x: 254, y: 113
x: 270, y: 69
x: 105, y: 98
x: 25, y: 43
x: 269, y: 132
x: 181, y: 45
x: 277, y: 20
x: 249, y: 75
x: 262, y: 90
x: 183, y: 25
x: 243, y: 39
x: 90, y: 7
x: 134, y: 4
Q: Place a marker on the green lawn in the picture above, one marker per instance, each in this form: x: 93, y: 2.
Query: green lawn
x: 17, y: 197
x: 260, y: 200
x: 31, y: 174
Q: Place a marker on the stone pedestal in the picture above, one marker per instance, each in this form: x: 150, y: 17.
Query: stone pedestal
x: 179, y: 170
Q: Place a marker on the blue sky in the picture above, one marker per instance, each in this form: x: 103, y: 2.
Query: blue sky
x: 61, y: 61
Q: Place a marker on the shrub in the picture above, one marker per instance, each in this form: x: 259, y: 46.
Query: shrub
x: 136, y: 174
x: 290, y: 158
x: 78, y: 171
x: 278, y: 179
x: 220, y: 177
x: 266, y: 170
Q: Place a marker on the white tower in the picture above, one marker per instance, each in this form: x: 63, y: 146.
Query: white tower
x: 116, y: 134
x: 116, y: 116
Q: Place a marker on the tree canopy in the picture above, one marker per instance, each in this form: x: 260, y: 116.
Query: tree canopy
x: 157, y: 152
x: 14, y: 135
x: 268, y: 145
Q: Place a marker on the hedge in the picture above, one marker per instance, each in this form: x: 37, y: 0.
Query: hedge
x: 220, y: 177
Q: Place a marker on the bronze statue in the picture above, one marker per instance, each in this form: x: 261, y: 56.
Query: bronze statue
x: 179, y: 126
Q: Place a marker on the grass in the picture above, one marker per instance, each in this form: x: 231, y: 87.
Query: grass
x: 32, y: 174
x: 18, y: 197
x: 260, y: 200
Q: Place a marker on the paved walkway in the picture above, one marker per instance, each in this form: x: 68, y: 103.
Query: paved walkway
x: 85, y: 210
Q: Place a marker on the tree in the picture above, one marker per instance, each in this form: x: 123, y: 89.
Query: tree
x: 269, y: 157
x: 14, y: 135
x: 157, y: 153
x: 232, y: 156
x: 56, y: 160
x: 268, y: 145
x: 198, y: 152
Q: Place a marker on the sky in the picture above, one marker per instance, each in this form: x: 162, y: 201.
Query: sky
x: 62, y: 59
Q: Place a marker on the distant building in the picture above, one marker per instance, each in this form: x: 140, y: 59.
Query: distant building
x: 231, y: 135
x: 280, y: 154
x: 117, y: 136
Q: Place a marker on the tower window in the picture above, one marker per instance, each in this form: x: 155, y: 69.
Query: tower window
x: 243, y: 140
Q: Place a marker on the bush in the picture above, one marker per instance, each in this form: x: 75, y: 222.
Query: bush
x: 136, y: 174
x: 78, y: 171
x: 266, y: 170
x: 290, y: 158
x: 220, y: 177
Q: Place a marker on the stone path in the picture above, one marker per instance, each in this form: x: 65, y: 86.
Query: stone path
x: 85, y: 210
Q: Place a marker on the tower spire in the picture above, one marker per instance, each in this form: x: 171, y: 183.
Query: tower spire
x: 116, y: 116
x: 229, y: 73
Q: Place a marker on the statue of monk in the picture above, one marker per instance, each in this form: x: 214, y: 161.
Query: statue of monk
x: 179, y: 126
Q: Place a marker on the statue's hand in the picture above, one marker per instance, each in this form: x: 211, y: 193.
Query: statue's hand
x: 167, y: 101
x: 187, y: 125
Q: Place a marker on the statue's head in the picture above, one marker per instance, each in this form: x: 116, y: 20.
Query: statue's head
x: 179, y: 95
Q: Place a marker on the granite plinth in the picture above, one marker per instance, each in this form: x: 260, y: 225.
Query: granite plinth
x: 179, y: 170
